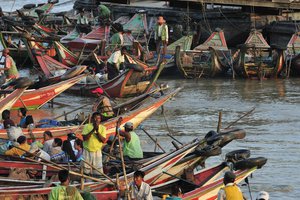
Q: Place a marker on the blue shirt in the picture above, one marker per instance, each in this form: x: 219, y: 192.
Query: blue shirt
x: 22, y: 122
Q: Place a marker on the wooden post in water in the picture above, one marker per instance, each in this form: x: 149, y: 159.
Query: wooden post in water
x: 219, y: 122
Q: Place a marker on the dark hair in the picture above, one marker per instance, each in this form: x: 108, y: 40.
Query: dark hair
x: 139, y: 173
x: 29, y: 120
x: 128, y: 129
x: 48, y: 133
x: 176, y: 190
x: 123, y: 48
x: 8, y: 123
x: 67, y: 148
x: 58, y: 141
x: 21, y: 139
x: 23, y: 111
x: 71, y: 136
x: 5, y: 114
x: 95, y: 114
x: 79, y: 142
x: 63, y: 175
x: 229, y: 177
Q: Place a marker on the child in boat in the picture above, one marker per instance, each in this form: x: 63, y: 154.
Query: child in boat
x: 78, y: 145
x: 48, y: 142
x: 7, y: 122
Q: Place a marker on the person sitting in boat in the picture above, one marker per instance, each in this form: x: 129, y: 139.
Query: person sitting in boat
x: 69, y: 153
x: 82, y: 23
x: 104, y: 14
x: 7, y: 122
x: 71, y: 137
x: 231, y: 191
x: 176, y: 194
x: 56, y: 147
x: 17, y: 151
x: 102, y: 105
x: 10, y: 68
x: 115, y: 63
x: 48, y: 142
x: 117, y: 39
x: 132, y: 146
x: 64, y: 190
x: 78, y: 145
x: 263, y: 195
x: 139, y: 189
x: 38, y: 153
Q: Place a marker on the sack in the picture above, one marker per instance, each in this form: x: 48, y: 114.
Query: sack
x: 13, y: 133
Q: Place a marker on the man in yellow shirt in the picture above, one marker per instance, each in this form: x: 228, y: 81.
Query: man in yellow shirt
x: 94, y: 135
x: 18, y: 151
x: 64, y: 191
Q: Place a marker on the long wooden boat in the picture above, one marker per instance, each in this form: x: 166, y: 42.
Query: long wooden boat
x: 153, y: 170
x: 136, y: 116
x: 210, y: 59
x: 293, y: 56
x: 256, y: 59
x: 132, y: 82
x: 8, y: 100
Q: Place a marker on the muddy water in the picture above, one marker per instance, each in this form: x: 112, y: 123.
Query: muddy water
x: 272, y: 129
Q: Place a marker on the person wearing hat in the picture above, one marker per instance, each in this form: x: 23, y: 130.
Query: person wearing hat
x: 161, y: 35
x: 263, y: 195
x: 115, y: 63
x: 132, y: 145
x: 231, y: 191
x: 94, y: 136
x: 64, y: 190
x: 117, y: 39
x: 22, y: 140
x: 10, y: 68
x: 103, y: 104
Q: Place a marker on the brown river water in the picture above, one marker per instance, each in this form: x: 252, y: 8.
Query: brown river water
x: 272, y: 129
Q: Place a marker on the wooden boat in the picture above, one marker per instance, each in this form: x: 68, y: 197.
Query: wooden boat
x: 136, y: 116
x: 206, y: 183
x: 256, y: 59
x: 8, y: 100
x: 36, y: 98
x: 132, y: 82
x: 152, y: 169
x: 185, y: 43
x: 293, y: 56
x: 210, y: 59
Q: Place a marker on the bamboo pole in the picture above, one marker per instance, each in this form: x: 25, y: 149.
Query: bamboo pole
x: 71, y: 111
x: 234, y: 122
x: 155, y: 141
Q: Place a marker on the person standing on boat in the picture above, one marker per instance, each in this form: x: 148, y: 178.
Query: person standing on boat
x: 161, y: 35
x: 10, y: 68
x: 117, y: 39
x: 140, y: 190
x: 103, y: 104
x: 115, y: 63
x: 64, y: 191
x: 94, y: 136
x: 231, y: 191
x: 132, y: 145
x: 104, y: 14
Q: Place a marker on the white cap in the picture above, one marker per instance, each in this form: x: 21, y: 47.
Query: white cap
x: 262, y: 195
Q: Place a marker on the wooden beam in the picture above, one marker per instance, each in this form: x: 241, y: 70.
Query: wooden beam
x: 256, y: 3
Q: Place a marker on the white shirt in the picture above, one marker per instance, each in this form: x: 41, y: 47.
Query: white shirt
x: 159, y: 30
x: 121, y: 38
x: 48, y: 146
x: 116, y: 58
x: 143, y: 194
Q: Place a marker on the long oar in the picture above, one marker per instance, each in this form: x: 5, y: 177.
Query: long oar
x: 153, y: 140
x: 244, y: 115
